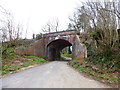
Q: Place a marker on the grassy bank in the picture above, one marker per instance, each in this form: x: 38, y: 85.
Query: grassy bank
x: 93, y: 71
x: 19, y: 62
x: 12, y: 62
x: 102, y: 66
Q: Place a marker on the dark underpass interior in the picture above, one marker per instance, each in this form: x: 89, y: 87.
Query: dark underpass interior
x: 55, y: 47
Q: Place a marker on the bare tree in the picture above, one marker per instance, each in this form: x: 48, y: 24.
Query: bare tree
x: 51, y: 26
x: 56, y: 25
x: 98, y: 19
x: 10, y: 30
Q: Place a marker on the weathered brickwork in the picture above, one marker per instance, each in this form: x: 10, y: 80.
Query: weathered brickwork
x: 52, y: 43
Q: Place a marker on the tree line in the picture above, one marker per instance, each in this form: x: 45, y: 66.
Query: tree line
x: 99, y: 22
x: 9, y: 28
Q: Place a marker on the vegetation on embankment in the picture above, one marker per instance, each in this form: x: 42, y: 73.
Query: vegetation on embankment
x: 104, y: 66
x: 18, y: 62
x: 66, y: 55
x: 93, y: 71
x: 101, y: 35
x: 12, y: 62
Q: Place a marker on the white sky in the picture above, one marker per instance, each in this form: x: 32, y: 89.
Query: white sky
x: 36, y: 13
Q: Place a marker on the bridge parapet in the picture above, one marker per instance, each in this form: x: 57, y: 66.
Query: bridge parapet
x: 66, y: 35
x: 61, y: 33
x: 51, y: 44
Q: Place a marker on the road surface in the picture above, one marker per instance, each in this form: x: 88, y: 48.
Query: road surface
x: 56, y: 74
x: 67, y: 58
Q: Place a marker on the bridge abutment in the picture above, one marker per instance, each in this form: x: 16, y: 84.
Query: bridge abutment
x: 79, y: 50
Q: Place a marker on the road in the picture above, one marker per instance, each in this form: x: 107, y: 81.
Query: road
x: 67, y: 58
x: 56, y: 74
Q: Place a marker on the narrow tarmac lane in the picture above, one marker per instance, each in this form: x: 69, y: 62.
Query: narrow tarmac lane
x: 56, y: 74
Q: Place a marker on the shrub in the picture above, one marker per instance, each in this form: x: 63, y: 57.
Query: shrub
x: 75, y: 65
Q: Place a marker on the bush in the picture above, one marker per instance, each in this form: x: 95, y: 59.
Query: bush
x: 75, y: 65
x: 105, y: 61
x: 72, y: 62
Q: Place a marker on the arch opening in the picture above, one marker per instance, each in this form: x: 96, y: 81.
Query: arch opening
x: 55, y: 47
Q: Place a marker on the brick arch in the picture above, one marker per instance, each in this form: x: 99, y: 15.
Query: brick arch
x: 59, y: 43
x: 54, y: 48
x: 59, y: 40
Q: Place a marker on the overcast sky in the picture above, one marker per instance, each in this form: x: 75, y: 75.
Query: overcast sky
x: 36, y: 13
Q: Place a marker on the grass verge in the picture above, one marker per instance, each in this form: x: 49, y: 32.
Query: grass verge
x: 109, y: 77
x: 12, y: 62
x: 19, y: 62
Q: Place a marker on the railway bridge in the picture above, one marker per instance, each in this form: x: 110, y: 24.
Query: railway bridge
x: 51, y: 44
